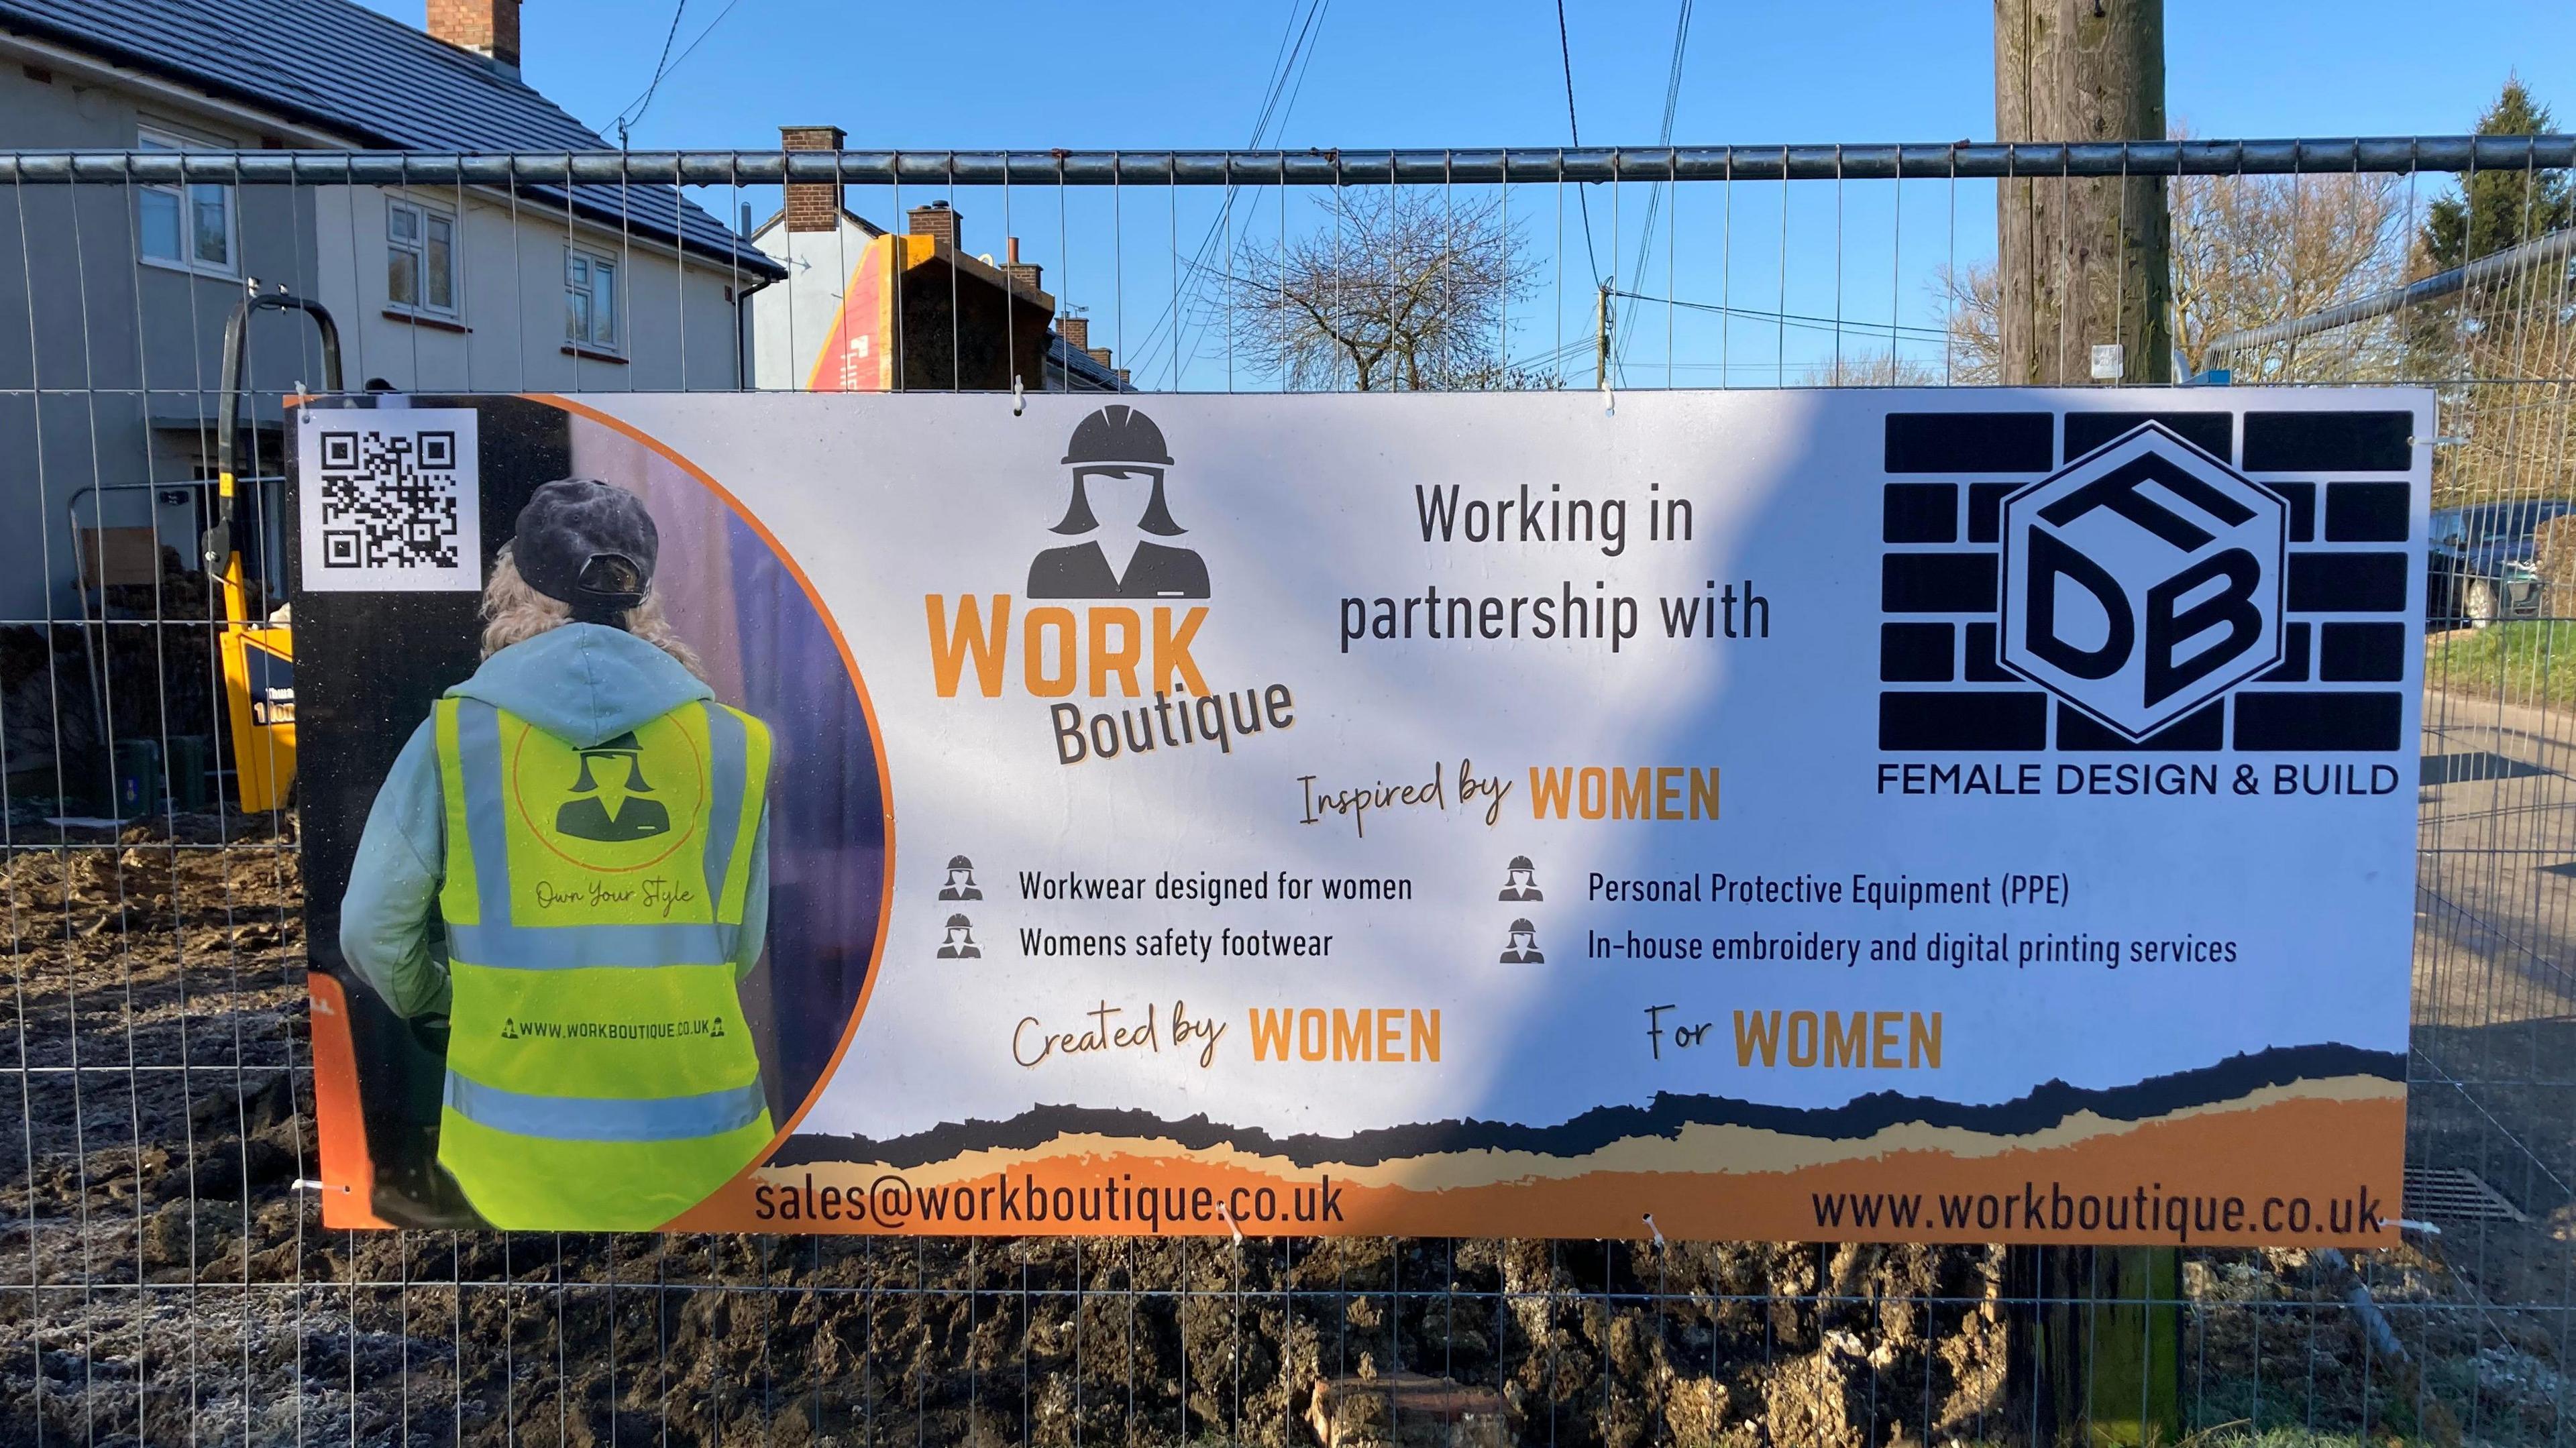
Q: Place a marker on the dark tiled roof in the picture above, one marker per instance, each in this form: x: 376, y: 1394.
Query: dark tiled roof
x: 1083, y: 365
x: 342, y: 67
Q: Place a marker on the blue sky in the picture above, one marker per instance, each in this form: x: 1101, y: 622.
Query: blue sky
x: 1159, y: 74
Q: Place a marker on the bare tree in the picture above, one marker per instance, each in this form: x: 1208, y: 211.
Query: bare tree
x: 1974, y: 300
x: 1397, y: 288
x: 2246, y: 251
x: 2253, y: 250
x: 1873, y: 369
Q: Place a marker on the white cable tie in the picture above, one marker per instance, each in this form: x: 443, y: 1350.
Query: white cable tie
x: 1226, y: 1214
x: 1651, y: 1227
x: 1019, y: 398
x: 304, y: 1184
x: 2411, y: 1225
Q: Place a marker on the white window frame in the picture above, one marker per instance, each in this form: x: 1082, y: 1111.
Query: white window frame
x: 423, y: 213
x: 594, y: 258
x: 154, y: 138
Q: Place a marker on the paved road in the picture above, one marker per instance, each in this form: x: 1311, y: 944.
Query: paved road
x: 2497, y: 940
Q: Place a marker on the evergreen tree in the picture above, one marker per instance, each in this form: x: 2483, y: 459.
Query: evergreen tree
x: 2498, y: 209
x: 2497, y: 348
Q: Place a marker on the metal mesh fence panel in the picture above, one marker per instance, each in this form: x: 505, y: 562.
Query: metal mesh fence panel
x: 164, y: 1276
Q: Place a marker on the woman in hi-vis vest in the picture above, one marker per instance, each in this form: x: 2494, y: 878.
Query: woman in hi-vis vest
x: 590, y: 826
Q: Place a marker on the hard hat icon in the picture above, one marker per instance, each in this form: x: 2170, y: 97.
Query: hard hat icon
x: 1520, y: 945
x: 1117, y: 434
x: 1117, y: 441
x: 959, y: 943
x: 960, y: 884
x: 1520, y: 880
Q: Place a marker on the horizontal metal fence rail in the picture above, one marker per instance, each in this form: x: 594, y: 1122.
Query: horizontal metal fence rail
x: 1357, y: 166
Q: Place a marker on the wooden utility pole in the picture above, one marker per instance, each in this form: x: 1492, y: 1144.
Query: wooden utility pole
x: 1603, y: 317
x: 2085, y: 262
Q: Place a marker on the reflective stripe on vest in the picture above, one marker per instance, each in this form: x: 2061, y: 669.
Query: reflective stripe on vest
x: 606, y: 1118
x: 594, y: 901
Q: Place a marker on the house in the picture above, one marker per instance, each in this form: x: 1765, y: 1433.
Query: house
x: 113, y: 297
x: 865, y: 310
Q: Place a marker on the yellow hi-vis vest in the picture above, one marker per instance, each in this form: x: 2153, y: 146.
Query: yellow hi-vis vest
x: 599, y: 1073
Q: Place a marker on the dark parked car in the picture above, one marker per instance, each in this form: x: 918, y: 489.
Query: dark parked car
x: 2479, y: 562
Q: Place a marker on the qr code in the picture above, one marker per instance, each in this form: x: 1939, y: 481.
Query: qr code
x: 390, y: 500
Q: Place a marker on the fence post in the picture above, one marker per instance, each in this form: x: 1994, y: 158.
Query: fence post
x: 2103, y: 1363
x: 2135, y: 1387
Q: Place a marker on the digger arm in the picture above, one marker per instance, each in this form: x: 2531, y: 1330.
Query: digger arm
x: 222, y: 559
x: 251, y: 648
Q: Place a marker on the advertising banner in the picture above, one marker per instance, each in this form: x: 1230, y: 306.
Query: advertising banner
x: 1970, y: 815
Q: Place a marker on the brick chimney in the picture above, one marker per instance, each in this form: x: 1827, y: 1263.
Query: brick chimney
x: 489, y: 28
x: 1023, y: 274
x: 1076, y: 332
x: 935, y: 221
x: 812, y: 205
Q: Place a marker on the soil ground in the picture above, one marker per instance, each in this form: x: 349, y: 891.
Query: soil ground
x: 163, y: 1281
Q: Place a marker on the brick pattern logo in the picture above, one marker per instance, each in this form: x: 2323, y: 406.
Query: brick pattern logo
x: 2142, y: 582
x: 2106, y: 581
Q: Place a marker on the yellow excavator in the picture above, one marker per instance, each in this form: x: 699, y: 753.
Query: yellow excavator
x: 257, y: 645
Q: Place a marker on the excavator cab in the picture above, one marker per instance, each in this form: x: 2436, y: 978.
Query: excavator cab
x: 255, y: 642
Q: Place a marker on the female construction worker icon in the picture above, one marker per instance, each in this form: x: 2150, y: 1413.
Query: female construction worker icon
x: 611, y: 800
x: 1118, y: 454
x: 591, y: 827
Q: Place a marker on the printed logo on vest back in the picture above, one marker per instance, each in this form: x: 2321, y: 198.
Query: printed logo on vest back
x: 612, y: 800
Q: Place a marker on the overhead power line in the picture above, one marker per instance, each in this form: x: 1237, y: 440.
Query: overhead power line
x: 1799, y: 321
x: 661, y: 67
x: 1663, y: 137
x: 1793, y: 319
x: 1290, y: 64
x: 669, y: 64
x: 1574, y: 131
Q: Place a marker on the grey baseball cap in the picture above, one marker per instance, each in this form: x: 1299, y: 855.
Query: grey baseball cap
x: 588, y: 544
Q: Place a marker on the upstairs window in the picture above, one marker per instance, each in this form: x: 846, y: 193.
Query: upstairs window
x: 187, y: 226
x: 590, y: 299
x: 420, y: 258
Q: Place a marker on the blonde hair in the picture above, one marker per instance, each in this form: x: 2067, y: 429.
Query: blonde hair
x: 514, y: 612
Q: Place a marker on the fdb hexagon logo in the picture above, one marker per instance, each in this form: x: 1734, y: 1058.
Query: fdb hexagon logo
x: 2143, y: 581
